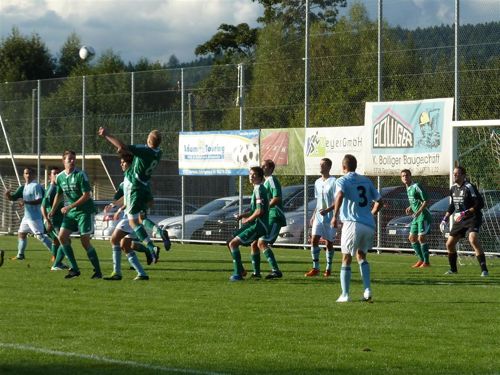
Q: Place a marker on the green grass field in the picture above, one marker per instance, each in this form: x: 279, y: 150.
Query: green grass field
x: 190, y: 319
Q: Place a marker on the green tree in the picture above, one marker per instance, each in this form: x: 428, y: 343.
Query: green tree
x: 69, y: 58
x: 24, y: 58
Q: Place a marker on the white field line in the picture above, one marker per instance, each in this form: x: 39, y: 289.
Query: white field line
x: 97, y: 358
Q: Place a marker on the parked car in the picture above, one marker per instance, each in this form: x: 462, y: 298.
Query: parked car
x: 104, y: 224
x: 221, y: 225
x: 398, y: 229
x: 293, y: 231
x: 194, y: 222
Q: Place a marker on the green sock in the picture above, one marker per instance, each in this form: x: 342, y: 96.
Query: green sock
x: 68, y: 251
x: 425, y: 252
x: 53, y: 249
x: 139, y: 247
x: 59, y: 256
x: 256, y: 262
x: 268, y: 253
x: 150, y: 225
x: 142, y: 235
x: 237, y: 265
x: 92, y: 255
x: 418, y: 250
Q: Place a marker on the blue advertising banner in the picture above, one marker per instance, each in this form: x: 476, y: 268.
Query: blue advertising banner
x: 210, y: 153
x: 411, y: 134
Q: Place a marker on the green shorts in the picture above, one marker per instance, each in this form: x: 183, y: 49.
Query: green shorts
x: 273, y: 232
x: 251, y: 232
x: 137, y: 201
x: 421, y: 225
x: 79, y: 221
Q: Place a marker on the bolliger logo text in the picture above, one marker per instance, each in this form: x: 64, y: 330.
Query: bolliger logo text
x: 392, y: 133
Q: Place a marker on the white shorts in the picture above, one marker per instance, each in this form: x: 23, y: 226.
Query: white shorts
x: 31, y: 226
x: 356, y: 236
x: 324, y: 229
x: 124, y: 226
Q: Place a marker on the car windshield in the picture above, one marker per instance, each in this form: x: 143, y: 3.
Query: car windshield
x: 214, y: 205
x: 441, y: 205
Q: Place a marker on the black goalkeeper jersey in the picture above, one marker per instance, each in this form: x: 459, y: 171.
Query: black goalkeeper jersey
x: 464, y: 197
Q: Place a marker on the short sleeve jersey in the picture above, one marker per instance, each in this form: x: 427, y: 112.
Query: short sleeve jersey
x: 417, y: 196
x: 464, y: 197
x: 276, y: 213
x: 145, y: 161
x: 359, y: 192
x: 260, y: 200
x: 73, y: 185
x: 30, y: 192
x: 119, y: 193
x: 48, y: 200
x: 324, y: 192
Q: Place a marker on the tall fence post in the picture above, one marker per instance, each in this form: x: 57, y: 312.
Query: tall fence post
x: 83, y: 121
x: 240, y: 99
x: 379, y: 92
x: 306, y: 110
x: 183, y: 182
x: 38, y: 145
x: 132, y: 106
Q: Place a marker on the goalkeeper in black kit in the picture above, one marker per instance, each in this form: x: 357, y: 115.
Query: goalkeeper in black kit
x: 466, y: 204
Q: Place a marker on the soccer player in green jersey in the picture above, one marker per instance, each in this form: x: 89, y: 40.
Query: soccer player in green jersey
x: 78, y: 210
x: 421, y: 223
x: 255, y: 222
x: 53, y: 225
x: 276, y: 221
x: 137, y: 177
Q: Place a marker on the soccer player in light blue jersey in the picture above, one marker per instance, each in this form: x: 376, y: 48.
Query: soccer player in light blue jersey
x: 354, y: 196
x: 31, y: 195
x: 324, y: 192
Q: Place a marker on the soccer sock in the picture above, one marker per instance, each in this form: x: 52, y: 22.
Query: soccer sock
x: 68, y: 251
x: 345, y: 279
x: 134, y: 262
x: 139, y: 247
x: 425, y: 251
x: 452, y: 259
x: 21, y: 246
x: 255, y: 257
x: 141, y: 234
x: 237, y: 265
x: 46, y: 241
x: 53, y: 249
x: 148, y: 224
x: 268, y: 253
x: 364, y: 269
x: 117, y: 259
x: 418, y: 250
x: 92, y: 255
x: 59, y: 256
x: 315, y: 250
x: 329, y: 259
x: 482, y: 262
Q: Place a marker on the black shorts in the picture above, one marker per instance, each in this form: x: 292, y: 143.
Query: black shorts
x: 463, y: 228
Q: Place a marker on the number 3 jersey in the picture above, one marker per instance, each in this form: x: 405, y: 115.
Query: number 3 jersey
x: 359, y: 192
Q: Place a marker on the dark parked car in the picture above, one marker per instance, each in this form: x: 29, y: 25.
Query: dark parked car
x: 398, y: 229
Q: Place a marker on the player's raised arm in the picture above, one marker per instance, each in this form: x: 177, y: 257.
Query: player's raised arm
x: 120, y: 146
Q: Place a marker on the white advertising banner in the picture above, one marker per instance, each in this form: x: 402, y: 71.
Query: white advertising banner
x: 411, y: 134
x: 218, y: 152
x: 333, y: 143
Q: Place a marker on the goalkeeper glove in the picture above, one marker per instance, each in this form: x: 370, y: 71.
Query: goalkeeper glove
x: 442, y: 226
x: 461, y: 215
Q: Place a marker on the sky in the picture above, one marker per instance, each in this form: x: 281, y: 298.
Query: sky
x: 157, y: 29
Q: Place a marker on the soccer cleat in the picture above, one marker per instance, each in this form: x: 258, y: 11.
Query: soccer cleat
x: 149, y: 259
x: 96, y: 275
x: 18, y: 257
x: 450, y: 272
x: 418, y: 264
x: 275, y: 274
x: 327, y: 273
x: 155, y: 254
x: 312, y: 272
x: 236, y: 278
x: 114, y: 276
x: 141, y: 278
x: 59, y: 267
x: 244, y: 273
x: 424, y: 265
x: 367, y: 296
x: 2, y: 254
x: 166, y: 239
x: 343, y: 298
x: 72, y: 274
x: 484, y: 274
x: 256, y: 276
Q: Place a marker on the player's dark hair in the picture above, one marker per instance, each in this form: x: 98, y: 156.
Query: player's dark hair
x: 461, y: 169
x: 127, y: 158
x: 258, y: 171
x: 270, y: 164
x: 68, y: 152
x: 405, y: 171
x: 350, y: 162
x: 328, y: 162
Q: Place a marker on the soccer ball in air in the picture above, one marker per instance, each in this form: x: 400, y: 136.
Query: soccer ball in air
x: 246, y: 155
x: 86, y: 52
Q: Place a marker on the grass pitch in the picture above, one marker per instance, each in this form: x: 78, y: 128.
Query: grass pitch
x: 190, y: 319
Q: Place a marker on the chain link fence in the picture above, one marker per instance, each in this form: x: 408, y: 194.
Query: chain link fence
x: 42, y: 118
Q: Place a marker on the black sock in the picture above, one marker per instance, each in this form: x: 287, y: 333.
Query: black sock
x: 452, y: 259
x: 482, y: 262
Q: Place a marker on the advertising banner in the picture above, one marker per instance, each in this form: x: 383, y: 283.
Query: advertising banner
x: 412, y: 135
x: 211, y: 153
x: 333, y: 143
x: 286, y: 148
